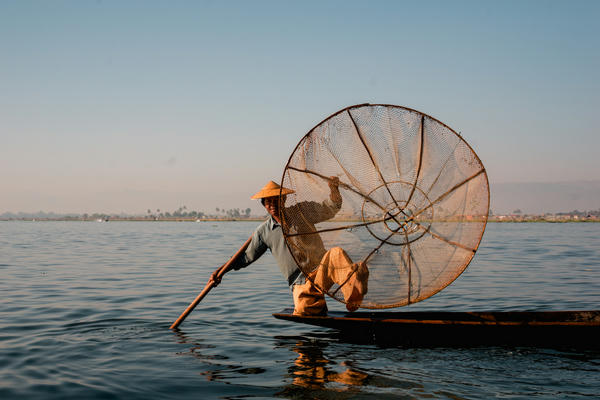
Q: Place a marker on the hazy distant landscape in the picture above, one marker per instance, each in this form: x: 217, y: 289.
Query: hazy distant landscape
x: 541, y: 198
x: 516, y: 201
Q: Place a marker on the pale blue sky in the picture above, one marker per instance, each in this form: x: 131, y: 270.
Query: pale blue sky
x: 126, y: 105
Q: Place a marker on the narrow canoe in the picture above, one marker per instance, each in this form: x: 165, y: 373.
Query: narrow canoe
x: 579, y: 328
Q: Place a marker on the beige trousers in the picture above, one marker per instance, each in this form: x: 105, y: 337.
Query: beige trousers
x: 308, y: 300
x: 335, y: 268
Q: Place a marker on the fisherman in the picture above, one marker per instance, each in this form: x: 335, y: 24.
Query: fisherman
x: 326, y: 265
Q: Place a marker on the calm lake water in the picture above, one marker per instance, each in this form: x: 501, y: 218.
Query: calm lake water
x: 86, y: 306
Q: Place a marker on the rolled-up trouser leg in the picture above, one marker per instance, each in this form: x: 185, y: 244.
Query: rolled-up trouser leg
x: 308, y: 300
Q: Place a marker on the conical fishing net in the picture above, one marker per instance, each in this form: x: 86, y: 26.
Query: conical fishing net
x: 412, y: 206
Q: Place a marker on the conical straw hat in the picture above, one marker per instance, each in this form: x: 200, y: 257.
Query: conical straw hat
x: 271, y: 189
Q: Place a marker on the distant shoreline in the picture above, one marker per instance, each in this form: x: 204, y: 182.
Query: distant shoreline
x: 493, y: 219
x: 133, y: 219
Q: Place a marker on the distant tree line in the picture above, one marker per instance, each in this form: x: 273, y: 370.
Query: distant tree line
x: 234, y: 212
x: 181, y: 212
x: 589, y: 213
x: 582, y: 213
x: 220, y: 213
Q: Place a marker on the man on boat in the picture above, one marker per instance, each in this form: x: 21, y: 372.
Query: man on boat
x: 328, y: 267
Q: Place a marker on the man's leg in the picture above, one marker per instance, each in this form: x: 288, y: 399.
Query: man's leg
x: 337, y: 268
x: 308, y: 300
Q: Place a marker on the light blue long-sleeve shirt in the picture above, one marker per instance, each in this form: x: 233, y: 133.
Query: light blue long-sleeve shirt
x: 269, y: 235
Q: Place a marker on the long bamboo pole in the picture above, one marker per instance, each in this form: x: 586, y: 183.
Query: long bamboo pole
x: 211, y: 283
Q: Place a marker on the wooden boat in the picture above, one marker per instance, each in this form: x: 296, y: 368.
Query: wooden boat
x: 571, y: 328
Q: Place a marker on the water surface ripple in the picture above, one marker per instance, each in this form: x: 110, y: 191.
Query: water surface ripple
x: 86, y: 307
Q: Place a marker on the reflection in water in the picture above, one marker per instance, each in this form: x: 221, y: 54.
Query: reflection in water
x: 312, y: 371
x: 311, y: 368
x: 316, y: 373
x: 197, y: 351
x: 222, y: 369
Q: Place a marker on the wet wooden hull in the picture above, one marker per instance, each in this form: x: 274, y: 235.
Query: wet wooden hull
x: 577, y: 328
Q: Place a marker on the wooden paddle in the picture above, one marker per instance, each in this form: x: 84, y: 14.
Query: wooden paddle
x: 211, y: 283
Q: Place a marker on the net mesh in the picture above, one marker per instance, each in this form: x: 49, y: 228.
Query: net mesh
x: 411, y: 210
